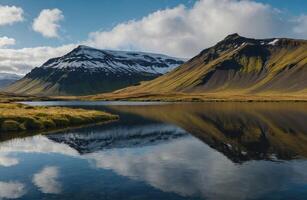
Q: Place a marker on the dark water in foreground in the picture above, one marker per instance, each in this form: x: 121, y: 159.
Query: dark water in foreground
x: 168, y: 151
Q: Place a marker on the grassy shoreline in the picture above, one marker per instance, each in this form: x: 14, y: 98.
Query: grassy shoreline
x: 18, y: 117
x: 196, y: 97
x: 163, y: 97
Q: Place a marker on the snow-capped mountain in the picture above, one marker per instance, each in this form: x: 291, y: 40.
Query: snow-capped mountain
x: 7, y: 79
x: 87, y: 70
x: 114, y: 61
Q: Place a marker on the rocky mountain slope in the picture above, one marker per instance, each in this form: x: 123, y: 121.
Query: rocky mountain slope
x: 86, y: 70
x: 237, y: 65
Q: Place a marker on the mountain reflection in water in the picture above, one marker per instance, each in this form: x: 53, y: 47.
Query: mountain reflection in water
x: 241, y: 131
x: 118, y: 137
x: 169, y: 151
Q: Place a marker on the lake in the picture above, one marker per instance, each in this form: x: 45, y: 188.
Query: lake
x: 163, y: 151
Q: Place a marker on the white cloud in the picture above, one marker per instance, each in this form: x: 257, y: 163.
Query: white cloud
x: 10, y: 15
x: 11, y: 190
x: 47, y: 23
x: 46, y: 180
x: 6, y: 41
x: 184, y: 32
x: 21, y: 61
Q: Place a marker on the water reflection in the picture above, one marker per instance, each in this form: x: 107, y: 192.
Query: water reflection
x: 11, y: 190
x: 201, y: 172
x: 149, y: 154
x: 47, y: 180
x: 241, y: 131
x: 99, y: 138
x: 7, y: 161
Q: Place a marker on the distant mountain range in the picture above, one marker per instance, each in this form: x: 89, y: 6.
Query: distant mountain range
x: 7, y: 79
x: 87, y: 70
x: 234, y: 66
x: 237, y: 65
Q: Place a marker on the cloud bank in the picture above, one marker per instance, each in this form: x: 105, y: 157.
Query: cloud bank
x: 184, y: 32
x: 10, y: 15
x: 21, y: 61
x: 180, y: 31
x: 47, y: 22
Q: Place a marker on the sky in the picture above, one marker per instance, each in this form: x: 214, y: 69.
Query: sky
x: 33, y: 31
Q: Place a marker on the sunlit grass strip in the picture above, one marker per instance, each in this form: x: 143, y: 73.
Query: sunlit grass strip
x: 18, y: 117
x: 201, y: 97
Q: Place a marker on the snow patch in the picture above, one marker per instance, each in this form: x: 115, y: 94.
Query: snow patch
x: 115, y: 61
x: 273, y: 42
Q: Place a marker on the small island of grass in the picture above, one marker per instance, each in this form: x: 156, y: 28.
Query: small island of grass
x: 19, y: 117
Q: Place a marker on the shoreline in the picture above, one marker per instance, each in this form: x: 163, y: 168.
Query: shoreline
x: 23, y: 134
x: 194, y: 97
x: 17, y: 117
x: 158, y: 97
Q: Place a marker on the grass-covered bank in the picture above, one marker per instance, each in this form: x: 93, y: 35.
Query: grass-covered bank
x: 199, y: 97
x: 19, y: 117
x: 9, y: 97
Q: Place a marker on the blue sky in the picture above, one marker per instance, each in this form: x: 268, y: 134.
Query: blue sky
x: 294, y: 7
x: 181, y: 28
x: 82, y: 17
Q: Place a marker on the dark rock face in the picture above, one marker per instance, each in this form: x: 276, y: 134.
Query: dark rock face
x: 86, y: 70
x: 82, y: 81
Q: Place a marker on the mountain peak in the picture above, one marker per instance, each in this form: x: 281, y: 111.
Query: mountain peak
x: 232, y: 36
x: 86, y: 70
x: 231, y: 41
x: 81, y: 46
x: 237, y: 64
x: 81, y: 50
x: 235, y: 39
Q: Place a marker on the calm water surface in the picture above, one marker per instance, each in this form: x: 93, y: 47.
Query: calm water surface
x: 164, y: 151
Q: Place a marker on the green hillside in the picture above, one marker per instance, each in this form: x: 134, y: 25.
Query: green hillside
x: 236, y: 66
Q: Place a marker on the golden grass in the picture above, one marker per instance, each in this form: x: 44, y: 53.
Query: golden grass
x: 199, y: 97
x: 10, y: 97
x: 254, y: 77
x: 18, y: 117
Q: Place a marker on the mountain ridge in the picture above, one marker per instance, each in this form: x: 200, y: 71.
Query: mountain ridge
x: 236, y: 65
x: 86, y: 70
